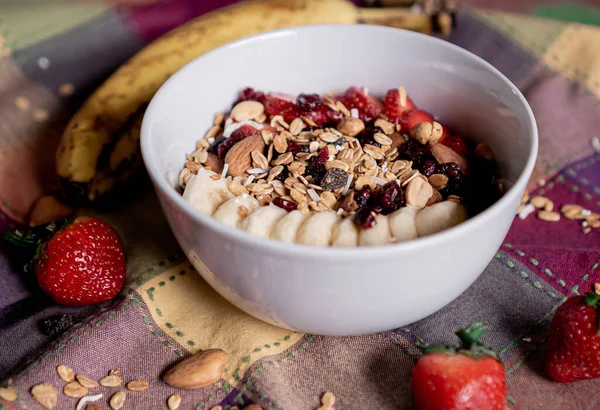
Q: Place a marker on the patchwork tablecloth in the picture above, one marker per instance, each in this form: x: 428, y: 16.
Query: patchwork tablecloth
x: 51, y: 58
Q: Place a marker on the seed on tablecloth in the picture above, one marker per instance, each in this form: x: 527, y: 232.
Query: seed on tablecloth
x: 43, y: 62
x: 111, y: 380
x: 65, y: 373
x: 8, y: 394
x: 45, y: 394
x: 137, y: 385
x: 75, y: 389
x: 86, y: 381
x: 115, y: 372
x: 327, y: 401
x: 117, y: 400
x: 548, y: 216
x: 174, y: 401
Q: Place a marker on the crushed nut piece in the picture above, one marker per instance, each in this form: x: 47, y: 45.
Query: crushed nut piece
x: 45, y: 394
x: 174, y: 401
x: 86, y: 381
x: 75, y: 389
x: 117, y: 400
x: 65, y: 372
x: 548, y: 216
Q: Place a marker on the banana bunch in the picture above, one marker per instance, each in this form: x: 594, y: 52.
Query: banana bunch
x: 99, y: 149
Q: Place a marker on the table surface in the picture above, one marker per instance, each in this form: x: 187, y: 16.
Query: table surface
x: 53, y: 57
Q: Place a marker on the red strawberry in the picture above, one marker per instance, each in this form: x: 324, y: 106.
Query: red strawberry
x: 82, y: 264
x: 368, y: 106
x: 468, y: 378
x: 457, y: 143
x: 572, y: 352
x: 250, y: 94
x: 275, y: 104
x: 411, y: 118
x: 393, y: 107
x: 244, y: 131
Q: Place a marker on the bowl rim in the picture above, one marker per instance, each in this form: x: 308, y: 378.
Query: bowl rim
x: 340, y: 253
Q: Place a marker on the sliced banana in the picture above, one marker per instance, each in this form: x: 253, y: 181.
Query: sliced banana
x: 345, y: 233
x: 261, y: 222
x: 233, y: 211
x: 317, y: 229
x: 402, y: 223
x: 377, y: 235
x: 286, y: 229
x: 204, y: 193
x: 441, y: 216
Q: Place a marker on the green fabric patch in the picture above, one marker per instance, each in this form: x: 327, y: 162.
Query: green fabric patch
x: 572, y: 13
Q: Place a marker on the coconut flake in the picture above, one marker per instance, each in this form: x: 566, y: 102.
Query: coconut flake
x: 586, y: 212
x: 340, y: 211
x: 211, y: 140
x: 339, y: 148
x: 354, y: 113
x: 225, y: 169
x: 249, y: 180
x: 87, y: 399
x: 384, y: 167
x: 313, y: 195
x: 256, y: 171
x: 303, y: 180
x: 348, y: 182
x: 584, y: 224
x: 237, y: 125
x: 596, y: 144
x: 366, y: 90
x: 526, y: 211
x: 379, y: 181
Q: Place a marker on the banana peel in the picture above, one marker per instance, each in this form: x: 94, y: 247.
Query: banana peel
x: 99, y: 150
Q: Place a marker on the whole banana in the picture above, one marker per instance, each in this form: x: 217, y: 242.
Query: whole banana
x: 100, y: 146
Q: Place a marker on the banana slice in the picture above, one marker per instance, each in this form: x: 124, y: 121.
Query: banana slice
x: 344, y: 234
x: 441, y: 216
x: 402, y: 223
x: 377, y: 235
x: 204, y: 193
x: 233, y: 211
x: 286, y: 228
x: 317, y: 229
x: 261, y: 222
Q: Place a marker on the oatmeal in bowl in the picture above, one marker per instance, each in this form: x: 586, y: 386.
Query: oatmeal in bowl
x: 342, y: 170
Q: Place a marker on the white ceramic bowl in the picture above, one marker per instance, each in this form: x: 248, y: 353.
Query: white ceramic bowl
x: 332, y: 291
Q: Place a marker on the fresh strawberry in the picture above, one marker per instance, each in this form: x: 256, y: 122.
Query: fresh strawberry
x: 393, y: 105
x: 244, y: 131
x: 411, y: 118
x: 572, y: 352
x: 250, y: 94
x: 276, y: 104
x: 468, y: 378
x: 368, y: 106
x: 457, y: 143
x: 323, y: 115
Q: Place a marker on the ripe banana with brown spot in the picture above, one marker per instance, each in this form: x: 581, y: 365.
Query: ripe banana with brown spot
x: 100, y: 147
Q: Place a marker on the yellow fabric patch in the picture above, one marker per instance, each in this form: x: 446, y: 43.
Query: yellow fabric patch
x: 186, y: 308
x: 576, y: 55
x: 535, y: 35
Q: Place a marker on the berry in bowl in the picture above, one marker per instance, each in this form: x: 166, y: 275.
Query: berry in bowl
x: 341, y: 170
x: 270, y: 153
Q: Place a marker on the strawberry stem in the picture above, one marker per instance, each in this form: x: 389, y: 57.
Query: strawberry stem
x: 591, y: 299
x: 469, y: 336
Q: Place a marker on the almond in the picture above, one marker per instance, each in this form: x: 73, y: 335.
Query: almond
x: 443, y: 155
x: 48, y: 209
x: 238, y: 157
x: 199, y: 370
x: 397, y: 139
x: 214, y: 162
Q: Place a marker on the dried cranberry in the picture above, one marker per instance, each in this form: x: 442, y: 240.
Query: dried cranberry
x: 250, y: 94
x: 309, y: 102
x: 427, y: 167
x: 389, y: 198
x: 451, y: 170
x: 364, y: 218
x: 285, y: 204
x: 295, y: 148
x: 366, y: 136
x: 363, y: 196
x: 316, y: 168
x: 225, y: 145
x: 414, y: 151
x: 283, y: 174
x: 456, y: 179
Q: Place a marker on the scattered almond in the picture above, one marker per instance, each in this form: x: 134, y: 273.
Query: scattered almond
x: 117, y: 400
x: 137, y: 385
x: 214, y: 162
x: 199, y: 370
x: 538, y: 201
x: 45, y: 394
x: 438, y: 181
x: 65, y: 373
x: 418, y: 193
x: 8, y: 394
x: 86, y: 381
x: 75, y: 389
x: 443, y: 155
x: 48, y: 209
x: 351, y: 126
x: 174, y: 401
x: 247, y: 110
x: 111, y: 380
x: 548, y: 216
x: 238, y: 157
